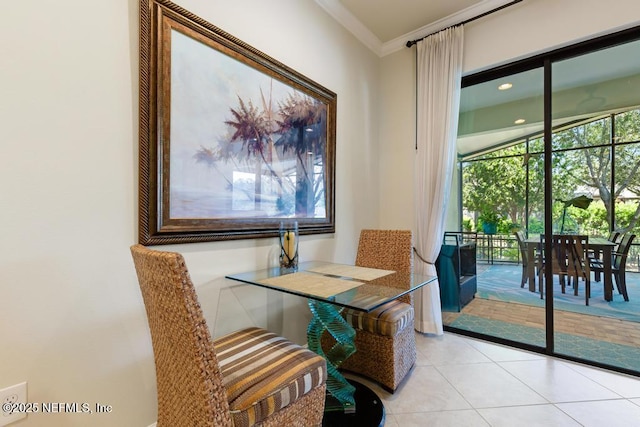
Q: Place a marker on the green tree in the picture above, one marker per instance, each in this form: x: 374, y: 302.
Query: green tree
x: 498, y: 183
x: 581, y: 164
x: 587, y: 162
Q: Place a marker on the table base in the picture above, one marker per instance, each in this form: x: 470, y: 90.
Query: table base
x: 327, y: 318
x: 369, y: 409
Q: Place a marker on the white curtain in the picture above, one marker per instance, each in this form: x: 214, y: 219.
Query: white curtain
x: 439, y: 73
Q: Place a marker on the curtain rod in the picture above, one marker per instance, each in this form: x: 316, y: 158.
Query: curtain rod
x: 482, y: 15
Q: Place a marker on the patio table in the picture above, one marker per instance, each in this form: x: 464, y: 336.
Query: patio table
x: 597, y: 244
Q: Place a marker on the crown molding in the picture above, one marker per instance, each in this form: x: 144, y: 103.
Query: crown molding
x: 471, y: 12
x: 362, y: 33
x: 351, y: 23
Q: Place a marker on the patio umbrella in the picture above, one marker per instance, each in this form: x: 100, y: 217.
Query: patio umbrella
x: 581, y: 202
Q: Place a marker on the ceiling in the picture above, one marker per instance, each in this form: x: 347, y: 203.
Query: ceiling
x: 583, y: 87
x: 388, y: 20
x: 386, y: 25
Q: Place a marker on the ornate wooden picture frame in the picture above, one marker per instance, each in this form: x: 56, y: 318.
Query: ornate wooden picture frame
x: 232, y: 142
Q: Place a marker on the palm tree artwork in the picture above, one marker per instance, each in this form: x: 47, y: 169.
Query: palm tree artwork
x: 280, y: 147
x: 301, y: 130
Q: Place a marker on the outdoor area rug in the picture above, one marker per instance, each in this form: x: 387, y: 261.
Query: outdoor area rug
x: 502, y: 283
x: 586, y: 348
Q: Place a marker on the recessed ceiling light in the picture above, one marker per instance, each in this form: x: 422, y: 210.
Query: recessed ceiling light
x: 505, y: 86
x: 519, y: 121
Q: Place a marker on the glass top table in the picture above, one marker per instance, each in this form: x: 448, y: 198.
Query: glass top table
x: 360, y: 288
x: 329, y: 288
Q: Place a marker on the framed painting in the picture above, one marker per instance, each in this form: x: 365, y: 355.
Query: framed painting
x: 232, y: 142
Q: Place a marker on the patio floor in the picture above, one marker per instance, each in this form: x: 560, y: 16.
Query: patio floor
x: 606, y: 329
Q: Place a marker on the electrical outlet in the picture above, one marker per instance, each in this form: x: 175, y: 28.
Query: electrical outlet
x: 9, y: 398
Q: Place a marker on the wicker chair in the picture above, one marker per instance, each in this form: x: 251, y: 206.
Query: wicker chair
x: 249, y: 377
x: 385, y: 340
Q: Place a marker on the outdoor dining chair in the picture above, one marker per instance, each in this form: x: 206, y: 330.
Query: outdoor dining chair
x: 522, y: 246
x: 614, y: 237
x: 524, y: 255
x: 569, y: 262
x: 618, y: 264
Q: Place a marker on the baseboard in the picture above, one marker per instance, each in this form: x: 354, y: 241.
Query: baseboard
x: 153, y: 425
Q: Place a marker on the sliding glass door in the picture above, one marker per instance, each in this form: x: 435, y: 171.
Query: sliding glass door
x: 550, y: 146
x: 502, y: 189
x: 595, y: 147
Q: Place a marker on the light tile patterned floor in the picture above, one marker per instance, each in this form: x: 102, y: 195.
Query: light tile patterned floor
x: 460, y: 381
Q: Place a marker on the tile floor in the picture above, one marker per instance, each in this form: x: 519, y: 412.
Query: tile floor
x: 461, y: 381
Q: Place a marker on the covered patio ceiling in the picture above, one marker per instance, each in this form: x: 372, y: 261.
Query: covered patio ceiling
x: 591, y: 85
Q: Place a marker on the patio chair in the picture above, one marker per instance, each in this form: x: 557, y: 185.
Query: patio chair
x: 524, y: 255
x: 569, y: 261
x: 559, y: 264
x: 385, y: 337
x: 615, y: 237
x: 618, y: 264
x: 249, y: 377
x: 579, y: 267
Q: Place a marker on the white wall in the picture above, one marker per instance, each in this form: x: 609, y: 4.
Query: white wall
x: 397, y: 139
x: 72, y: 321
x: 528, y: 28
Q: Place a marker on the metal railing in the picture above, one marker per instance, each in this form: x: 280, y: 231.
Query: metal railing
x: 503, y: 249
x: 498, y: 248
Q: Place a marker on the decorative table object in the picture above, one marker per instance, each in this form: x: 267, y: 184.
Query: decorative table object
x: 289, y: 246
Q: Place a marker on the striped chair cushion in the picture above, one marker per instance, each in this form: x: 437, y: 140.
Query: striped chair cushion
x: 263, y: 373
x: 388, y: 319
